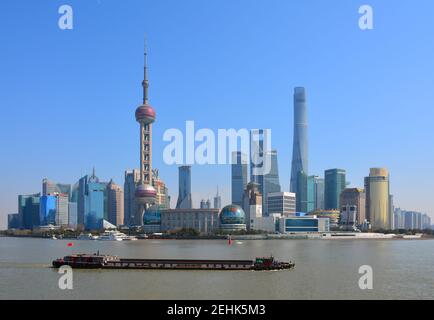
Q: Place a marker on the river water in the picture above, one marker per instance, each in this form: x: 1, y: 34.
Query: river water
x: 325, y: 269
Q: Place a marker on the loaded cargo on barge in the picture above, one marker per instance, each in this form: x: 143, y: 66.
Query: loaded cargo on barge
x: 97, y: 261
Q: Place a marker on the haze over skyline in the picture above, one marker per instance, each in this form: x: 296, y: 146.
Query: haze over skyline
x: 68, y: 97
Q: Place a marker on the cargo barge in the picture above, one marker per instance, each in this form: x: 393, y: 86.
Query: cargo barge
x: 97, y: 261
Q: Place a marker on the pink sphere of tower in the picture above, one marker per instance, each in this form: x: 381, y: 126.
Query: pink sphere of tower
x: 145, y: 114
x: 145, y: 194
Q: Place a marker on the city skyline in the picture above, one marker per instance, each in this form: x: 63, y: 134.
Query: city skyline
x: 114, y: 92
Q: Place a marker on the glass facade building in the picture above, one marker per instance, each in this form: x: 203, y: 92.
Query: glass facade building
x: 335, y: 183
x: 239, y: 177
x: 132, y: 178
x: 72, y: 214
x: 82, y: 191
x: 303, y: 225
x: 48, y: 210
x: 28, y: 210
x: 301, y: 193
x: 184, y: 198
x: 318, y: 192
x: 94, y: 206
x: 271, y: 181
x: 92, y: 202
x: 14, y: 221
x: 310, y: 194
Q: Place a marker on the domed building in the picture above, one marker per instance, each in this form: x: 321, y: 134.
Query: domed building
x: 232, y: 218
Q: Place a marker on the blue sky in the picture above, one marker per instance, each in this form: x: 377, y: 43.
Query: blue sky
x: 68, y: 97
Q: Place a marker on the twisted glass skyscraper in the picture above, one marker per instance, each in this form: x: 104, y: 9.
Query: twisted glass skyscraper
x: 300, y: 147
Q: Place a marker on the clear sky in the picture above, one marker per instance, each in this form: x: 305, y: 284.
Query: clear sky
x: 67, y: 98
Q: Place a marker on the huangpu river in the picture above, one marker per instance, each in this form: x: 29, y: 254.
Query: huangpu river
x: 325, y: 269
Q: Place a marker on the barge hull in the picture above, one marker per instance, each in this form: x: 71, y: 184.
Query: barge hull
x: 106, y: 262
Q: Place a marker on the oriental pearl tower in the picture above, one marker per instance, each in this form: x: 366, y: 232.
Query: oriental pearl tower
x: 145, y: 115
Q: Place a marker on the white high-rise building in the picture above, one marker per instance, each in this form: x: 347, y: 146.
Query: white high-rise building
x: 283, y: 203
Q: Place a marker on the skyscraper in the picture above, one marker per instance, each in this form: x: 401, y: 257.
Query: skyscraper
x: 51, y: 188
x: 301, y: 195
x: 239, y: 177
x: 335, y: 183
x: 81, y: 200
x: 377, y: 198
x: 263, y: 166
x: 412, y: 220
x: 132, y: 179
x: 426, y: 222
x: 217, y: 200
x: 252, y: 202
x: 300, y: 149
x: 271, y: 180
x: 283, y: 203
x: 162, y: 198
x: 14, y: 221
x: 310, y: 193
x: 354, y: 197
x: 47, y: 210
x: 94, y: 203
x: 318, y: 192
x: 184, y: 198
x: 115, y: 204
x: 205, y: 204
x: 28, y: 210
x: 257, y: 159
x: 145, y: 115
x: 391, y: 217
x: 72, y: 215
x: 62, y: 215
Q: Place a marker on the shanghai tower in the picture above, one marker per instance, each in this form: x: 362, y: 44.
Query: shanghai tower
x: 300, y: 149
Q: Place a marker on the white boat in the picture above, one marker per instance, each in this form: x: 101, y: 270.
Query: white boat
x: 115, y: 236
x: 129, y: 238
x: 88, y: 236
x: 412, y: 237
x: 53, y: 237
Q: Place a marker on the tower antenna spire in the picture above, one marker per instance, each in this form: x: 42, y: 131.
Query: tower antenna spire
x: 145, y: 82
